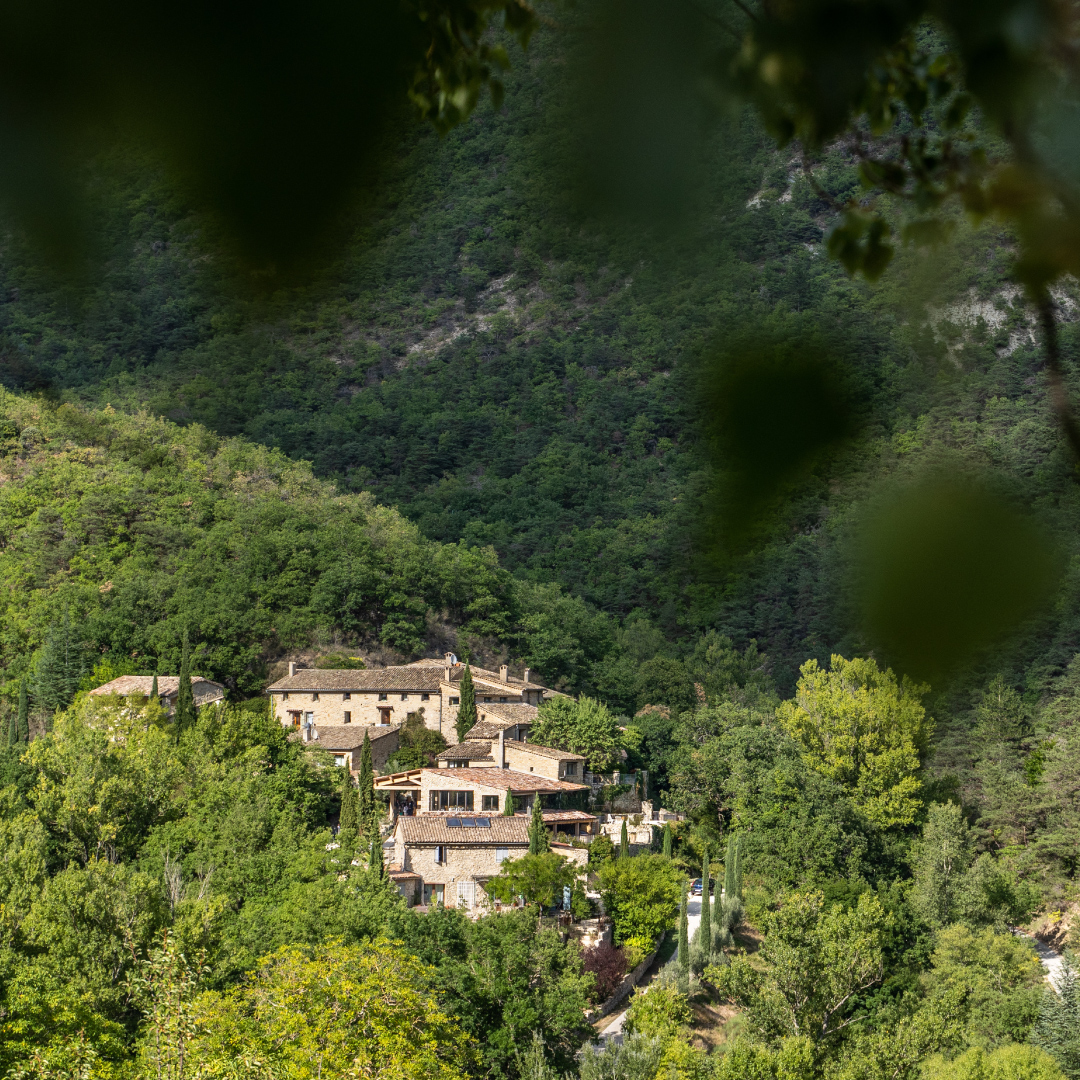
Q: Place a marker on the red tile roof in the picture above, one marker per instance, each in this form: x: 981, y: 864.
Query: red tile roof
x: 506, y: 779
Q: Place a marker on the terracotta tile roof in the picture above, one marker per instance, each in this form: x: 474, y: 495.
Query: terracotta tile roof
x: 467, y: 751
x: 390, y: 679
x: 433, y: 829
x: 401, y: 875
x: 507, y: 713
x: 486, y: 730
x: 347, y: 736
x: 507, y: 779
x: 168, y: 685
x: 566, y: 815
x: 542, y: 751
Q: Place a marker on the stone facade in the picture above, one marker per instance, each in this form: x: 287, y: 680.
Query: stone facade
x: 204, y: 691
x: 346, y: 743
x: 385, y: 696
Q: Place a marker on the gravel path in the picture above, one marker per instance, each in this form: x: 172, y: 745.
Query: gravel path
x: 1050, y: 960
x: 693, y: 920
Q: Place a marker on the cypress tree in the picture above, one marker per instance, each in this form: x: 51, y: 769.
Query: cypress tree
x: 624, y: 841
x: 667, y: 839
x: 185, y: 699
x: 22, y: 734
x: 738, y: 865
x: 349, y: 817
x: 706, y: 910
x: 466, y: 717
x: 375, y: 859
x: 508, y: 804
x: 729, y: 867
x: 684, y: 938
x: 154, y: 695
x: 369, y: 819
x: 539, y: 841
x: 13, y: 729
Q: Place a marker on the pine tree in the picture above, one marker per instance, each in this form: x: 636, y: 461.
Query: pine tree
x: 1057, y: 1030
x: 22, y: 734
x: 508, y: 804
x: 185, y: 698
x: 349, y: 816
x: 369, y: 819
x: 466, y: 717
x: 684, y: 938
x: 539, y: 841
x: 58, y: 669
x: 706, y: 909
x: 624, y: 841
x: 667, y: 839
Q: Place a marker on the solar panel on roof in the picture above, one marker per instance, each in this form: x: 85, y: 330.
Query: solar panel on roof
x: 453, y: 823
x: 467, y: 823
x: 483, y: 823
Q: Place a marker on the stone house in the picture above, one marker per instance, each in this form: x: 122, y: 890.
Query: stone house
x: 346, y: 742
x: 205, y: 691
x: 503, y: 753
x: 383, y: 697
x: 448, y: 858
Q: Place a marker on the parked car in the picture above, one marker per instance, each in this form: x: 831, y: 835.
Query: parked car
x: 695, y: 887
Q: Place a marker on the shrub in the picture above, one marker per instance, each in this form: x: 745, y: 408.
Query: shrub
x: 608, y: 966
x: 660, y: 1010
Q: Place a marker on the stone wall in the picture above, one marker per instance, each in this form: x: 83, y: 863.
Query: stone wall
x: 362, y: 706
x: 523, y: 761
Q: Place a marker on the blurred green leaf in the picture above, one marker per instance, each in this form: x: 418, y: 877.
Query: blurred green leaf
x: 948, y: 568
x: 774, y: 408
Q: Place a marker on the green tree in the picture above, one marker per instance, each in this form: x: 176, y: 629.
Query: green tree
x: 861, y: 728
x: 818, y: 959
x: 349, y: 818
x: 585, y: 726
x: 539, y: 840
x: 705, y: 928
x: 663, y: 1012
x: 375, y: 858
x: 367, y: 810
x: 642, y: 896
x: 59, y: 667
x: 601, y: 850
x: 1011, y: 1062
x: 684, y: 937
x: 624, y: 841
x: 939, y: 861
x: 508, y: 804
x: 22, y: 718
x: 539, y: 878
x: 185, y: 698
x: 1057, y: 1030
x: 667, y: 840
x: 466, y: 715
x: 154, y: 695
x: 333, y: 1010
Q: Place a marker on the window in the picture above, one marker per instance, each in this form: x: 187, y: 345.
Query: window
x: 348, y: 718
x: 314, y: 697
x: 440, y: 854
x: 487, y: 699
x: 346, y: 697
x: 339, y: 759
x: 382, y: 697
x: 502, y: 699
x: 502, y: 854
x: 285, y: 696
x: 571, y: 768
x: 451, y: 800
x: 309, y: 719
x: 404, y: 697
x: 466, y: 894
x: 425, y: 697
x: 454, y: 700
x: 295, y: 718
x: 490, y: 802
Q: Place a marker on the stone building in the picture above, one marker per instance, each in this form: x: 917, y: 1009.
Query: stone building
x: 383, y: 697
x: 503, y: 753
x: 205, y: 691
x: 346, y: 742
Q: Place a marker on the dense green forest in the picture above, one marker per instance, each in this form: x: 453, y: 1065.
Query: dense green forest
x: 482, y: 429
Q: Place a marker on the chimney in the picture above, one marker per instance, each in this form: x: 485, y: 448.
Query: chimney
x: 502, y: 748
x: 525, y: 676
x: 292, y: 668
x: 504, y: 673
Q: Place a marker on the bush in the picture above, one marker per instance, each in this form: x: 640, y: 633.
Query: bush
x: 642, y: 895
x: 1010, y: 1062
x: 608, y: 966
x: 601, y: 850
x: 661, y: 1010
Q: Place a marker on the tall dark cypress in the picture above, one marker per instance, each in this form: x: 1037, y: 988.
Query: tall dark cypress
x: 466, y: 717
x: 738, y: 865
x: 508, y: 804
x: 13, y: 729
x: 684, y: 937
x: 368, y: 817
x: 375, y: 859
x: 705, y: 933
x: 185, y: 699
x: 154, y: 695
x: 539, y: 841
x: 22, y: 734
x: 349, y: 818
x: 624, y: 841
x: 667, y: 839
x: 729, y: 867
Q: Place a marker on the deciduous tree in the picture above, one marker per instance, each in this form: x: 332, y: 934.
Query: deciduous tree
x: 585, y: 726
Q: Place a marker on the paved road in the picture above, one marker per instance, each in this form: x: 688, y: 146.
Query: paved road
x: 693, y: 920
